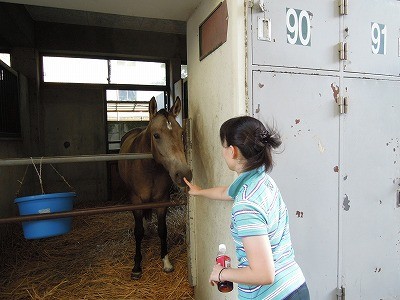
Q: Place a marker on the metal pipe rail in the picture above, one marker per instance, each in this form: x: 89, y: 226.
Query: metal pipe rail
x: 78, y: 159
x: 72, y: 159
x: 88, y: 211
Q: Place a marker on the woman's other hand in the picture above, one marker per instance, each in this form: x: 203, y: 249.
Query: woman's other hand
x: 215, y: 274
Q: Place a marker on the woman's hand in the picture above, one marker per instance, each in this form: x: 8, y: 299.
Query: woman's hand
x: 214, y: 274
x: 193, y: 189
x: 218, y: 192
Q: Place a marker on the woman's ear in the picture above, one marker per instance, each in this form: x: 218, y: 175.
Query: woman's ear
x: 234, y: 151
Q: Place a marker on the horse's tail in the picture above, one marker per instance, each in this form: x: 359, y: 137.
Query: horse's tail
x: 147, y: 213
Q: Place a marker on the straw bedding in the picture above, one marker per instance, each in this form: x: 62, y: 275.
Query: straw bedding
x: 94, y: 261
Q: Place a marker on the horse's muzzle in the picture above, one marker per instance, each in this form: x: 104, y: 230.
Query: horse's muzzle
x: 178, y: 178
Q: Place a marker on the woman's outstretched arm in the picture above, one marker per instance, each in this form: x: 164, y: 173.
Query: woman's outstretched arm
x: 218, y: 192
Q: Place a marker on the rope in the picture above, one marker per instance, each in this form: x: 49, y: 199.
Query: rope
x: 39, y: 173
x: 21, y: 182
x: 63, y: 178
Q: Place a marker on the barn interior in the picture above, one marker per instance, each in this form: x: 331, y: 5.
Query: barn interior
x: 80, y: 114
x: 71, y: 118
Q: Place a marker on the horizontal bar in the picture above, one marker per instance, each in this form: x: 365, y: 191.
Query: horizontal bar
x: 88, y: 212
x: 72, y: 159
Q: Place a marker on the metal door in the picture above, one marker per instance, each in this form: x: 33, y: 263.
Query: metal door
x: 303, y: 107
x: 371, y: 179
x: 372, y: 35
x: 291, y: 33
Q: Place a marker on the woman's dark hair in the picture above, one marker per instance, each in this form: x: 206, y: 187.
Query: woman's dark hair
x: 254, y: 140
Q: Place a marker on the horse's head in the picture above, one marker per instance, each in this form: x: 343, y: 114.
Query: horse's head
x: 167, y: 141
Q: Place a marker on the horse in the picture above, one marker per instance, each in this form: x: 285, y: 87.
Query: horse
x: 150, y: 180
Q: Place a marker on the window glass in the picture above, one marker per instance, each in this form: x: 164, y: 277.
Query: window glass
x: 128, y: 109
x: 75, y: 70
x: 6, y: 58
x: 184, y: 72
x: 137, y: 72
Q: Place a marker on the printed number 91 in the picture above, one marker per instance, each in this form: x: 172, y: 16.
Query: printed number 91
x: 298, y: 27
x: 378, y: 38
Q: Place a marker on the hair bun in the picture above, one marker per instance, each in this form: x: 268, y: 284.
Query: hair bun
x: 264, y: 137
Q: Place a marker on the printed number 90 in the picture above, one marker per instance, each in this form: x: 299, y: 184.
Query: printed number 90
x: 298, y: 27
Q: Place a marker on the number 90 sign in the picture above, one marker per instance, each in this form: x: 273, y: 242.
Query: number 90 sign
x: 298, y: 27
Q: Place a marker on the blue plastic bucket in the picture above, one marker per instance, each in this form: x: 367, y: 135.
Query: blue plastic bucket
x: 44, y: 204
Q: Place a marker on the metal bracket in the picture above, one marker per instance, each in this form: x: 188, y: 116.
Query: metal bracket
x: 343, y: 7
x: 264, y: 29
x: 343, y: 103
x: 341, y: 293
x: 343, y: 51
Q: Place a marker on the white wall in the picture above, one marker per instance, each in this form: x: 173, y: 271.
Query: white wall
x: 216, y: 93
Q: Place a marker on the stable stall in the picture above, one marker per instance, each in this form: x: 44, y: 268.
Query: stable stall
x: 325, y: 73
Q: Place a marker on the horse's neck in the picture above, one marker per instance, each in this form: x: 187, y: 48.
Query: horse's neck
x: 142, y: 142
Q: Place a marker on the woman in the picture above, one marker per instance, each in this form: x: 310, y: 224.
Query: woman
x: 259, y: 220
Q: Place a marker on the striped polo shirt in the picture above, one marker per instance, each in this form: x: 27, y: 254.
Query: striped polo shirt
x: 258, y: 209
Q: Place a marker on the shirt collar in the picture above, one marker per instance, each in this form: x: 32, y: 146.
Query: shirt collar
x: 235, y: 187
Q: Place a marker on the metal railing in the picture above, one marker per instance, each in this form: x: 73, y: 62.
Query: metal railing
x: 86, y: 211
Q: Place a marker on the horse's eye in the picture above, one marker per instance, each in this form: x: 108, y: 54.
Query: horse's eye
x: 156, y: 136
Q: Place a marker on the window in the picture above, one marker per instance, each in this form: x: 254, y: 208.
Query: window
x: 6, y: 58
x: 128, y: 109
x: 137, y: 72
x: 75, y: 70
x: 184, y: 72
x: 103, y: 71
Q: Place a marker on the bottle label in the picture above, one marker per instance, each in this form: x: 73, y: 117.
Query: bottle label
x: 224, y: 261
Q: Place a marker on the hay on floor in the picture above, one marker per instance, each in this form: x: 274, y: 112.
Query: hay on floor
x: 94, y: 261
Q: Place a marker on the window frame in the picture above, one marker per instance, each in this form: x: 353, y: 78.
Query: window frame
x: 17, y: 134
x: 108, y: 58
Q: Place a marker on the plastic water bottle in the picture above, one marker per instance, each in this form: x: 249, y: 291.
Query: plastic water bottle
x: 225, y: 261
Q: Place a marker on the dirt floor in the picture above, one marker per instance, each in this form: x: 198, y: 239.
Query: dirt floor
x: 94, y: 261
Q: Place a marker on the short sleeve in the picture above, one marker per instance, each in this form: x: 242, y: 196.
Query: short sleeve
x: 249, y: 220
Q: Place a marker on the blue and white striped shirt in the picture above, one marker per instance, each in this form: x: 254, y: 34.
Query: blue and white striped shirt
x: 258, y: 209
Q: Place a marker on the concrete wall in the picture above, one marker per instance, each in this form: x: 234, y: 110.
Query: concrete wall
x: 74, y: 124
x: 70, y: 38
x: 223, y: 75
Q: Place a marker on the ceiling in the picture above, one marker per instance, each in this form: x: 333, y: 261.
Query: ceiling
x: 179, y: 10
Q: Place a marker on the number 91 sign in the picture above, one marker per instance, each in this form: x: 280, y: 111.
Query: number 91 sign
x: 298, y: 27
x: 378, y: 38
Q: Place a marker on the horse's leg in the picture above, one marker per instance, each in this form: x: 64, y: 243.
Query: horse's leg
x: 139, y: 233
x: 162, y: 233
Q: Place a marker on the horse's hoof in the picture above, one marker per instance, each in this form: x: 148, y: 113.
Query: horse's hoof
x: 136, y: 275
x: 168, y: 267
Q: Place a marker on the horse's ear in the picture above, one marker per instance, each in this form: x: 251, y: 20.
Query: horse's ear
x: 176, y: 108
x: 152, y: 107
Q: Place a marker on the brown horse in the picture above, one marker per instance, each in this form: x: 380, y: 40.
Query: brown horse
x: 150, y: 180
